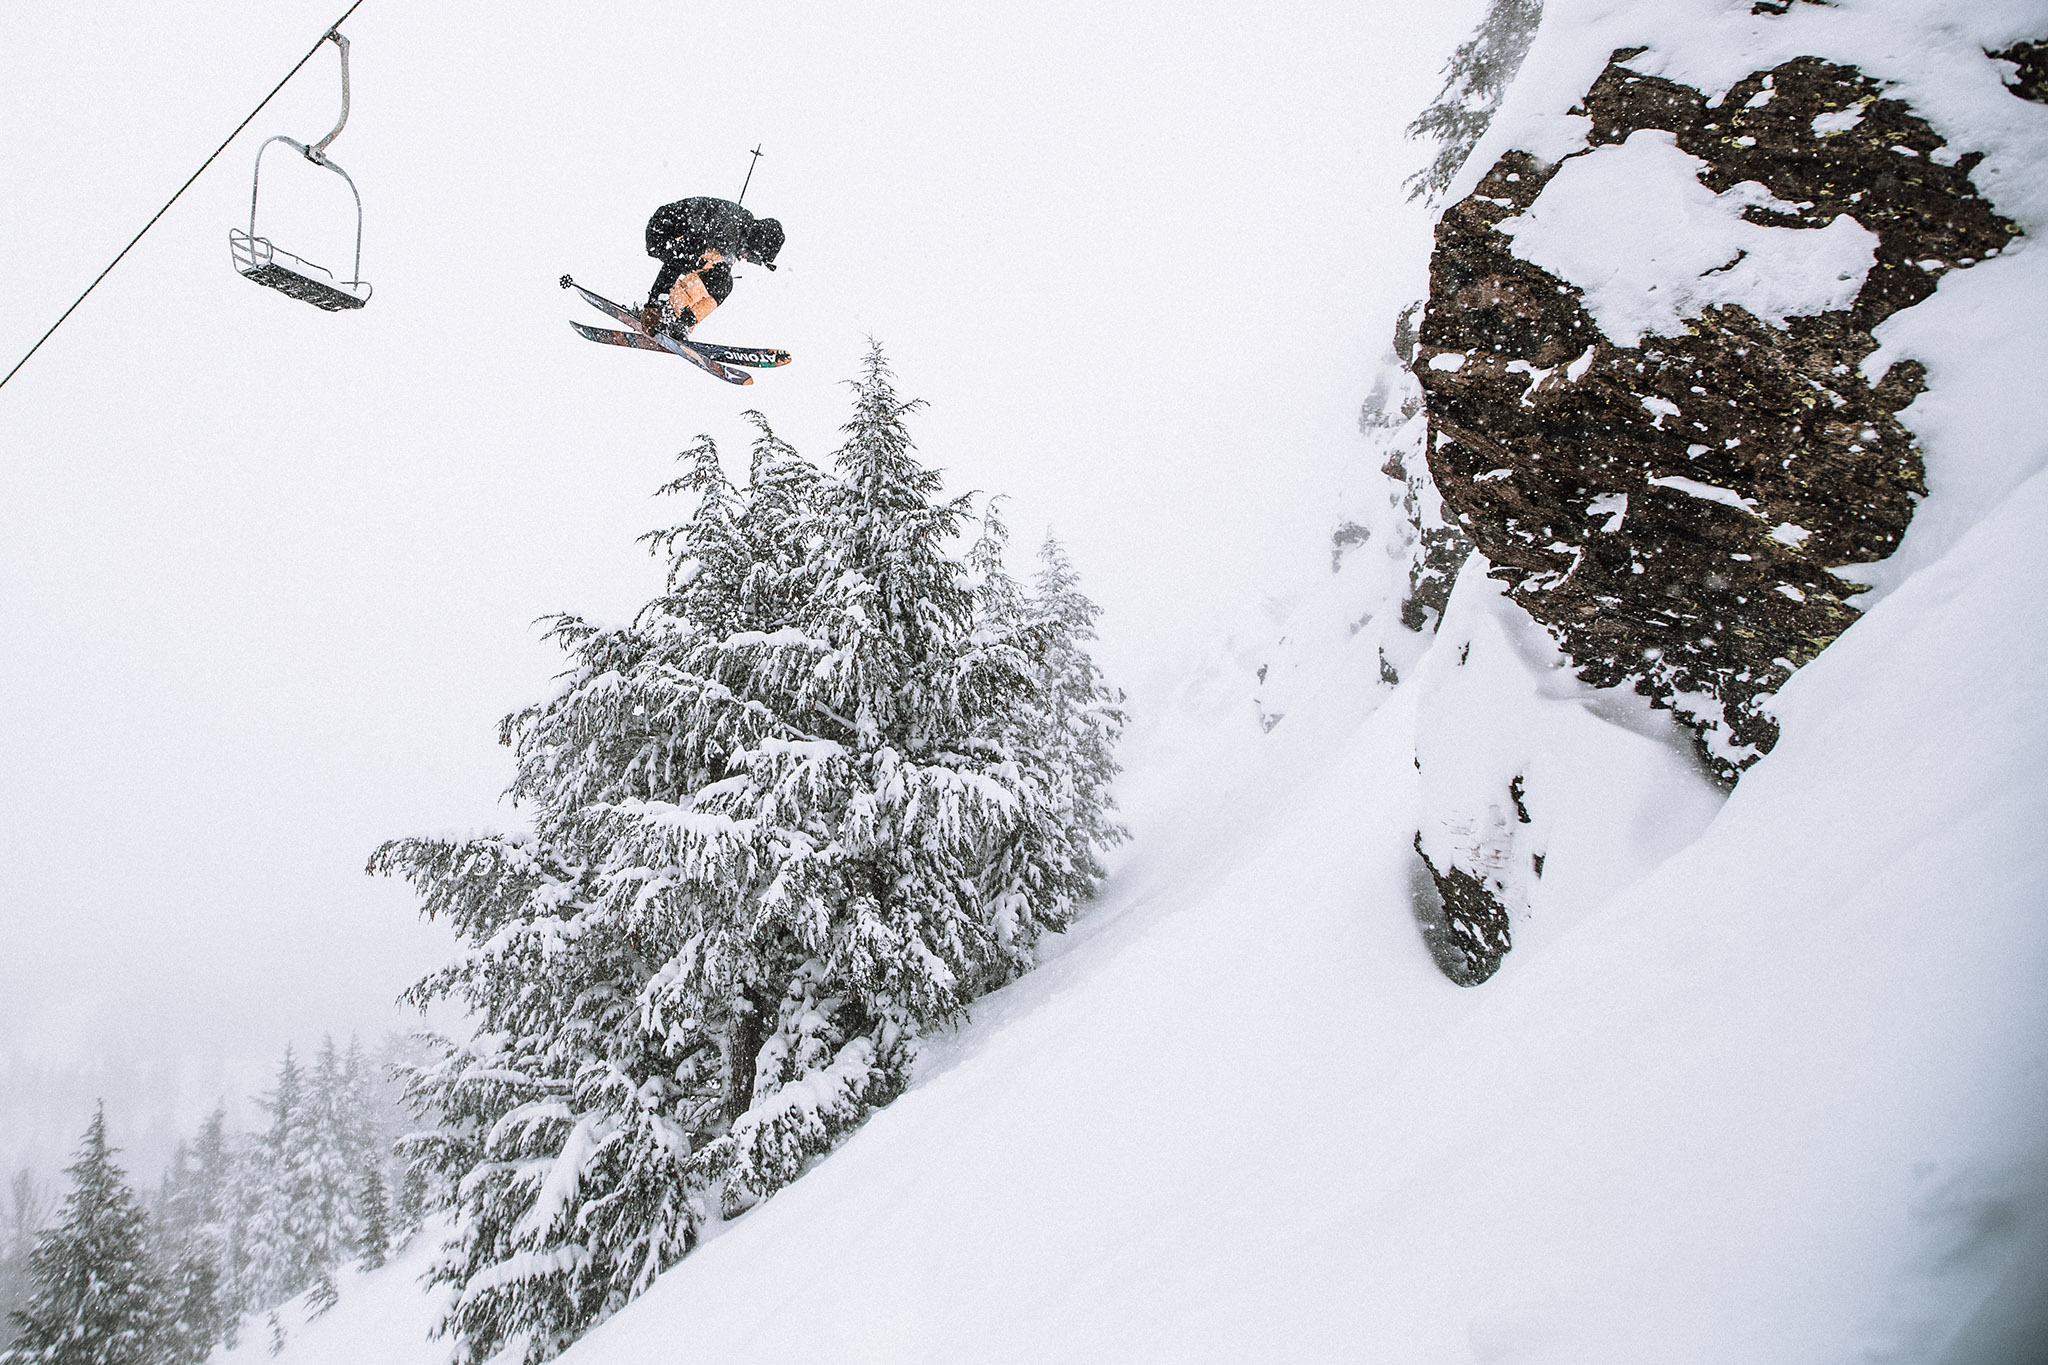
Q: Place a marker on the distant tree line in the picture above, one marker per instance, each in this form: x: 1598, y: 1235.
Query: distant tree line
x: 831, y: 785
x: 240, y: 1224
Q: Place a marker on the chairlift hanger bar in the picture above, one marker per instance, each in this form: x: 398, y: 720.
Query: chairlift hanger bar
x: 331, y: 31
x: 318, y: 151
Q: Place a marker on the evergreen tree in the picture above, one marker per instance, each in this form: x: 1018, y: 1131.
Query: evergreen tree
x: 338, y: 1137
x: 29, y: 1203
x: 409, y: 1208
x: 191, y: 1318
x: 1052, y: 862
x: 283, y: 1195
x: 191, y: 1246
x: 1476, y: 79
x: 773, y: 823
x: 211, y: 1220
x: 356, y: 1109
x: 374, y: 1246
x: 96, y: 1291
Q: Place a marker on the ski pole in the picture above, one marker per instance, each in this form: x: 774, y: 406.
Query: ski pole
x: 750, y: 175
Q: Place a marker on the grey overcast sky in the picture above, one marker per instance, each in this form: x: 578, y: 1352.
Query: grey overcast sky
x: 268, y: 575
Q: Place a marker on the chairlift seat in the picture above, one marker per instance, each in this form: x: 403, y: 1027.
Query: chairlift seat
x: 259, y: 259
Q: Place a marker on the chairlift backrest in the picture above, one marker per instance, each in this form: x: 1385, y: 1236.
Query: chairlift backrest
x: 259, y: 259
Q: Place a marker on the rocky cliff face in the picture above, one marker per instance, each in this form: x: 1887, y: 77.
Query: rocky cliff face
x: 1673, y: 462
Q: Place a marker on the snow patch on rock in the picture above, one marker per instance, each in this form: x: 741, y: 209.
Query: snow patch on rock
x: 1651, y: 246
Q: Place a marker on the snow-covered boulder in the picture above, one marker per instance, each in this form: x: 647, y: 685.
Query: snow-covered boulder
x: 1648, y: 356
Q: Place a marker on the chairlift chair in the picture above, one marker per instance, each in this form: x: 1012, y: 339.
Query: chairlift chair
x: 259, y: 259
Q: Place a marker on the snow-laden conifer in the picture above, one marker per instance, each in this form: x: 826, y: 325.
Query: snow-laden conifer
x: 336, y: 1138
x: 195, y: 1238
x: 374, y: 1246
x: 1080, y: 719
x: 28, y: 1207
x: 774, y: 823
x: 96, y: 1292
x: 283, y: 1196
x: 1476, y: 79
x: 190, y: 1319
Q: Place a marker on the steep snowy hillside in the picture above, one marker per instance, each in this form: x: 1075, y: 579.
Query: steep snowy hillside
x: 377, y: 1315
x: 1781, y: 1100
x: 1612, y: 925
x: 1760, y: 1081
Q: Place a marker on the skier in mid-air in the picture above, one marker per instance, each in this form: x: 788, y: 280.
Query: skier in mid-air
x: 695, y: 240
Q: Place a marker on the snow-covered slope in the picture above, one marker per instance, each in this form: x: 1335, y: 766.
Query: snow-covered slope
x: 1762, y: 1079
x: 1785, y: 1099
x: 378, y: 1315
x: 1782, y: 1100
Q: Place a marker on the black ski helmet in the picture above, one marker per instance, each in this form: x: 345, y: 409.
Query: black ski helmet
x: 764, y: 240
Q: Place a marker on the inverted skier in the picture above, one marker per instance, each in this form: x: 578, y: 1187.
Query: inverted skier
x: 696, y: 240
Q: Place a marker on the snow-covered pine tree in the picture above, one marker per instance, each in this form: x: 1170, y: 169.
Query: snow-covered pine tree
x: 764, y: 817
x: 29, y: 1203
x: 1062, y: 739
x: 282, y: 1195
x: 96, y: 1291
x: 190, y: 1241
x: 1475, y: 79
x: 886, y: 796
x: 357, y: 1119
x: 207, y: 1217
x: 1080, y: 721
x: 190, y: 1318
x: 409, y: 1205
x: 563, y: 1124
x: 338, y: 1136
x: 373, y: 1247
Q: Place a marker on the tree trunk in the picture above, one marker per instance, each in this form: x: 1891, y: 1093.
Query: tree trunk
x: 744, y: 1036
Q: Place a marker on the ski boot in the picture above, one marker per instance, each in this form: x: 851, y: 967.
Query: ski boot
x: 658, y: 319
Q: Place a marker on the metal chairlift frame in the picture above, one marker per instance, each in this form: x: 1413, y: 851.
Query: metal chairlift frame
x: 259, y: 259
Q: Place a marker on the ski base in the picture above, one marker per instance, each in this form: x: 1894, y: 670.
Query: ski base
x: 755, y: 357
x: 709, y: 357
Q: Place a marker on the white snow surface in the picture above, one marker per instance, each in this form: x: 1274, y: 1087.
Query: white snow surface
x: 1519, y: 760
x: 1651, y: 246
x: 1707, y: 492
x: 379, y: 1315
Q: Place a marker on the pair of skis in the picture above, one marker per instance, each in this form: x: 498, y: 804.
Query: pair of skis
x: 722, y: 362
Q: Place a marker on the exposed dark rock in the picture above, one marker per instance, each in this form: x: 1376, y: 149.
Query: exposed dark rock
x: 1405, y: 339
x: 2031, y: 81
x: 1466, y: 930
x: 1704, y: 606
x: 1384, y: 406
x: 1348, y: 536
x: 1441, y: 548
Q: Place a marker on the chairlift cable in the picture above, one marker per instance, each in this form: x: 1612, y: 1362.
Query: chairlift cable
x: 181, y: 190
